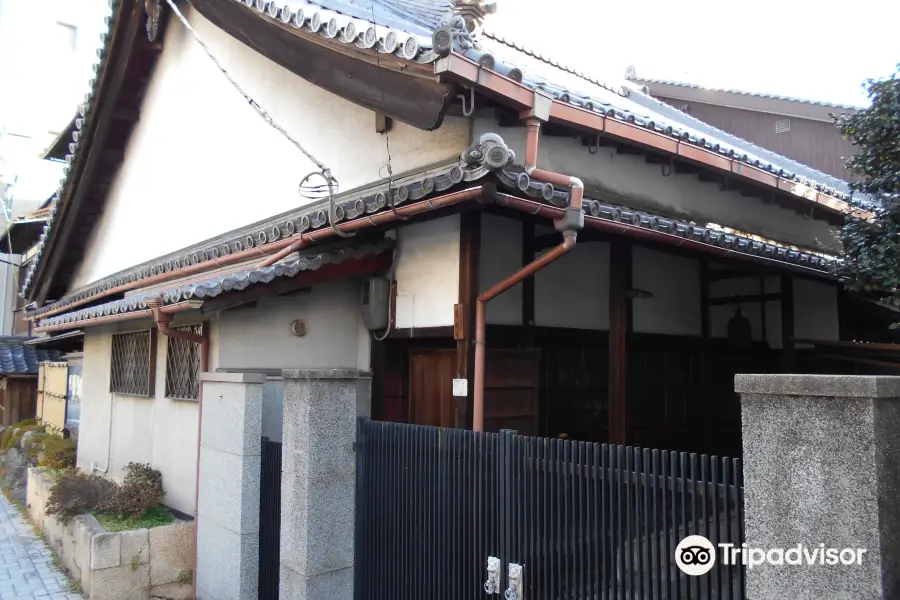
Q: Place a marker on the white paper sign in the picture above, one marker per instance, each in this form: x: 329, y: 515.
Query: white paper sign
x: 460, y: 387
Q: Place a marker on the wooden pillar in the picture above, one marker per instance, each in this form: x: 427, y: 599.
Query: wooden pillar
x: 788, y: 353
x: 464, y: 325
x: 528, y: 253
x: 619, y: 327
x: 704, y: 299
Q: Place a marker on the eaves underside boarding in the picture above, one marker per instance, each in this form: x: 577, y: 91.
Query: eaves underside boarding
x: 448, y: 58
x: 357, y: 209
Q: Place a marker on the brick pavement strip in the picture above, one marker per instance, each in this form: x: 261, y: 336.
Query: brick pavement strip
x: 26, y: 564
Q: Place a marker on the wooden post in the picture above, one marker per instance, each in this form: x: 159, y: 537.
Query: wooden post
x: 620, y: 266
x: 469, y: 255
x: 704, y: 299
x: 788, y: 353
x: 528, y: 283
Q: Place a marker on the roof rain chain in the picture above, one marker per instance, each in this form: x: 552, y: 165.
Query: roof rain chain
x: 305, y: 189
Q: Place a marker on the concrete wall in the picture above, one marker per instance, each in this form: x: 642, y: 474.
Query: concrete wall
x: 630, y: 179
x: 117, y: 429
x: 199, y: 151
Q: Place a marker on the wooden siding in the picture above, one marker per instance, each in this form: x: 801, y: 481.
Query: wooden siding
x: 17, y: 399
x: 813, y: 143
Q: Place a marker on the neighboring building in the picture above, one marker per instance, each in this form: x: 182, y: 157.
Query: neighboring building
x: 800, y: 129
x: 19, y: 366
x: 186, y: 238
x: 46, y: 56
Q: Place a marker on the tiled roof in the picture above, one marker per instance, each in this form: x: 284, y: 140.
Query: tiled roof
x: 623, y: 103
x: 231, y: 282
x: 360, y: 205
x: 19, y: 359
x: 742, y: 92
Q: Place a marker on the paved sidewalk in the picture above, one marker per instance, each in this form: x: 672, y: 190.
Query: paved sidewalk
x: 26, y: 565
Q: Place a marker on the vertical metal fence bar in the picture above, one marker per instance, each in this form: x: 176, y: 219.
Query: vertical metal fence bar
x: 695, y: 524
x: 646, y: 560
x: 726, y: 483
x: 704, y: 478
x: 716, y: 515
x: 739, y: 504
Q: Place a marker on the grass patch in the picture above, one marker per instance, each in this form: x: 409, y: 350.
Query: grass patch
x: 155, y: 517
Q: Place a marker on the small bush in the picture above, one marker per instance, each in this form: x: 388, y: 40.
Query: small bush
x: 7, y: 434
x: 58, y: 454
x: 75, y: 493
x: 141, y: 490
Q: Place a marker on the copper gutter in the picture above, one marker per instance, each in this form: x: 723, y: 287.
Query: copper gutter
x: 282, y: 247
x: 163, y: 321
x: 127, y: 316
x: 471, y: 74
x: 570, y: 220
x: 379, y: 219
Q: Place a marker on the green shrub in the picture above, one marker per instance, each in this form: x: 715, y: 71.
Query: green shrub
x: 11, y: 440
x: 155, y: 517
x: 140, y: 491
x: 75, y: 493
x: 5, y: 442
x: 58, y: 454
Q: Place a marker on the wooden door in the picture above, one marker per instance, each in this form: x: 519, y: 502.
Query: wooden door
x: 511, y: 390
x: 431, y: 400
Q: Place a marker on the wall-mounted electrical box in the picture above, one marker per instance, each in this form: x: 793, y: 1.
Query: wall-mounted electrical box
x: 376, y: 303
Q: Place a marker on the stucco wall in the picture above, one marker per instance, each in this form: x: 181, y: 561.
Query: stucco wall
x: 117, y: 429
x: 206, y: 163
x: 260, y: 337
x: 574, y: 291
x: 630, y: 179
x: 428, y: 273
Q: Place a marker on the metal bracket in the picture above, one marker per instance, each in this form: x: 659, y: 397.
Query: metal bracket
x: 516, y: 582
x: 492, y: 585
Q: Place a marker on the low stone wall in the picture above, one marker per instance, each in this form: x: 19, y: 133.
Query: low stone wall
x: 141, y: 564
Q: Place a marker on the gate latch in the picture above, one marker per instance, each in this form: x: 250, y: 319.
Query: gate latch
x: 492, y: 585
x: 516, y: 583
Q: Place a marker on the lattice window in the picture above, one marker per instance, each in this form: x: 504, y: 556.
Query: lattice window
x: 183, y: 366
x: 133, y: 359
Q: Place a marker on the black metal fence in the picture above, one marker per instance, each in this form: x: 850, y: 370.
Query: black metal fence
x: 585, y: 521
x: 269, y: 520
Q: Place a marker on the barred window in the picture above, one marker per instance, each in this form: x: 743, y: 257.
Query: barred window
x: 183, y: 365
x: 133, y: 359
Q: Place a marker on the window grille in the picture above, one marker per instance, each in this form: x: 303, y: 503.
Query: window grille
x: 133, y: 357
x: 183, y: 365
x: 782, y: 125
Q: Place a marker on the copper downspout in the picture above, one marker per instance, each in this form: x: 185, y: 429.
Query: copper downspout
x: 570, y: 221
x: 163, y: 320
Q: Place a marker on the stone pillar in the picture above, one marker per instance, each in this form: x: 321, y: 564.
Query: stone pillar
x: 822, y: 466
x: 318, y: 483
x: 228, y: 519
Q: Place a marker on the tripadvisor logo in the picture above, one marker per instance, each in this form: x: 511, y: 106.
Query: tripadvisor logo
x: 695, y: 555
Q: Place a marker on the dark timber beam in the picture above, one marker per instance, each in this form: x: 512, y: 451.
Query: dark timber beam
x: 704, y: 299
x: 528, y: 253
x: 788, y: 351
x: 464, y: 328
x: 619, y: 328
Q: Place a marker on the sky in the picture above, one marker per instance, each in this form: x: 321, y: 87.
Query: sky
x: 799, y: 48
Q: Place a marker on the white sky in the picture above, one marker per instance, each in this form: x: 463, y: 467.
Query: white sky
x: 801, y: 48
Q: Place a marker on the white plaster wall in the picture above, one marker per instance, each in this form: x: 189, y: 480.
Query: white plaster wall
x: 574, y: 290
x: 117, y: 429
x: 674, y: 282
x: 201, y: 162
x: 632, y: 180
x: 815, y: 310
x: 260, y: 337
x: 500, y: 257
x: 428, y: 273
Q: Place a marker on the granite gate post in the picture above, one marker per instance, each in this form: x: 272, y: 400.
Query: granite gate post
x: 230, y: 465
x: 822, y: 466
x: 318, y: 483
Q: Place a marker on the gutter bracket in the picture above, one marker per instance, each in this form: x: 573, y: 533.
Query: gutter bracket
x: 572, y: 221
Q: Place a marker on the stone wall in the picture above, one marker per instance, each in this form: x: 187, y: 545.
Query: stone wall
x: 130, y: 565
